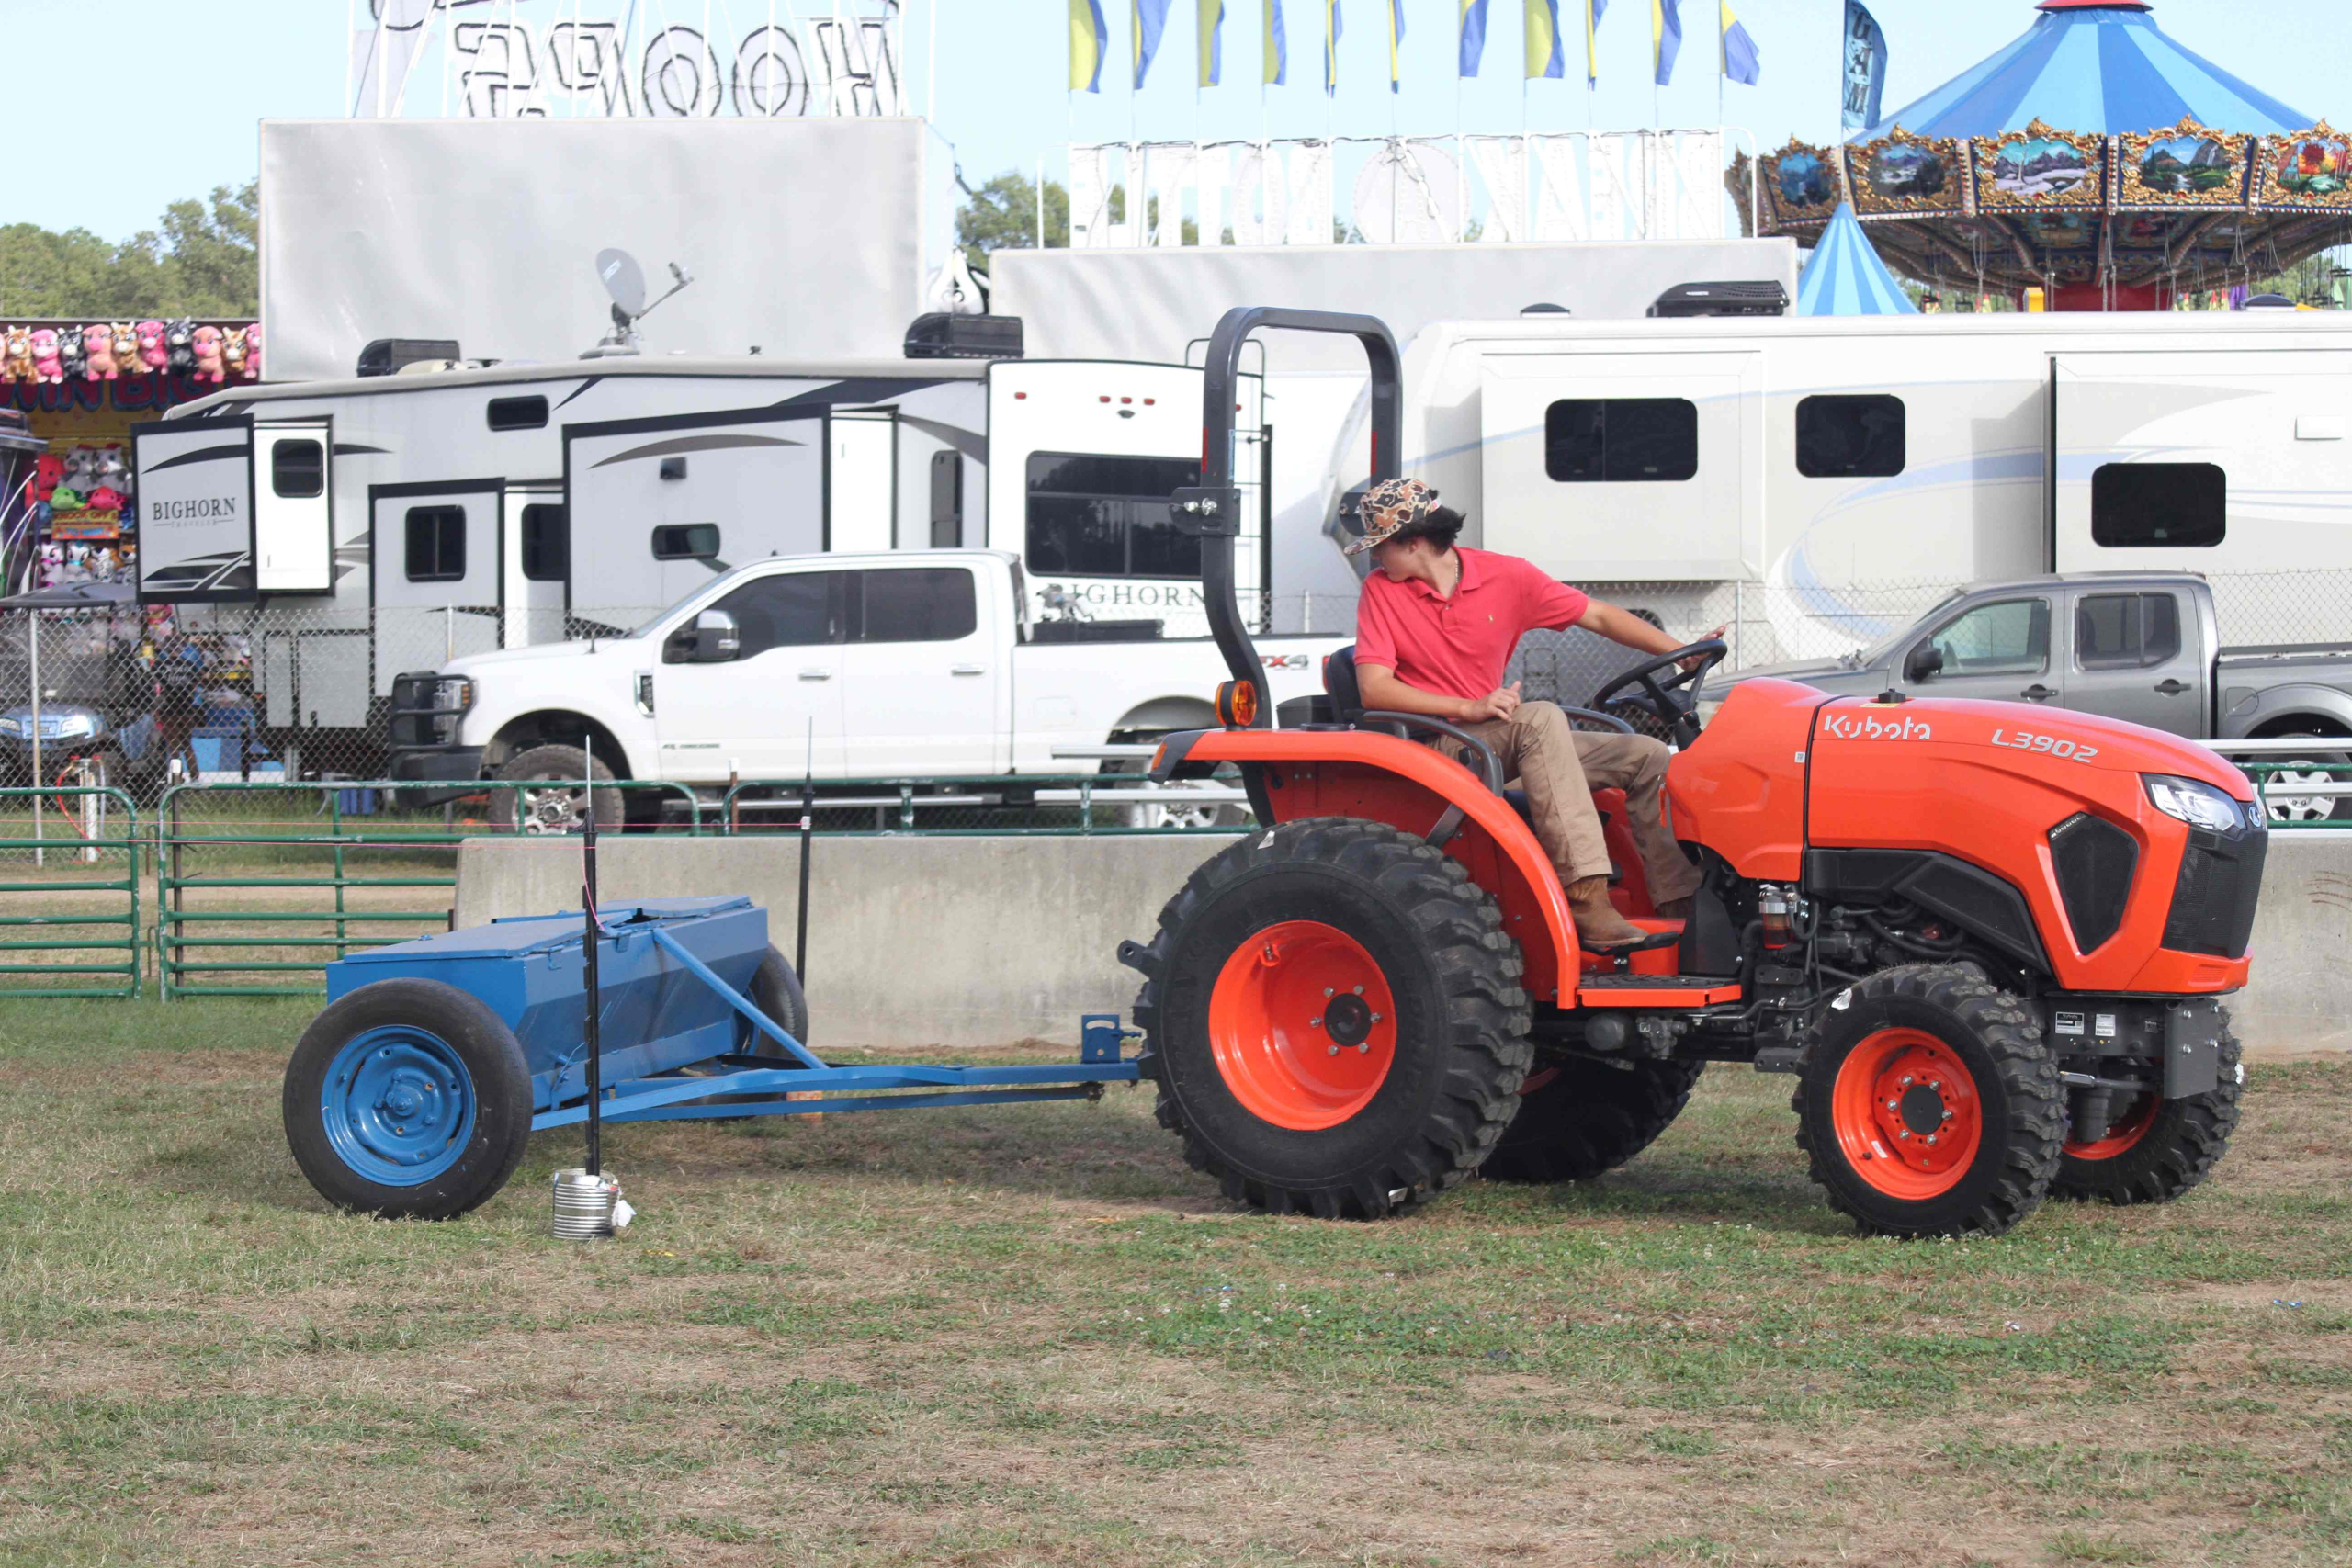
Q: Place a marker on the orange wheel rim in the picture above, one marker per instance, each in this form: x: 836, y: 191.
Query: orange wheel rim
x: 2122, y: 1136
x: 1303, y: 1025
x: 1906, y: 1114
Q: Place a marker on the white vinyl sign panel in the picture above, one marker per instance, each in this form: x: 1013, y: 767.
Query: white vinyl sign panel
x: 196, y: 516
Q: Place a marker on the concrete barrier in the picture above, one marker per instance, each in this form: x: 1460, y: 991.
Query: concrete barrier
x: 913, y: 942
x: 965, y: 943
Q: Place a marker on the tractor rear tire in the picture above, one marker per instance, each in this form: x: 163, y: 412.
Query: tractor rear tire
x: 1930, y: 1104
x: 1333, y: 1015
x: 408, y: 1099
x: 1586, y: 1117
x: 2158, y: 1149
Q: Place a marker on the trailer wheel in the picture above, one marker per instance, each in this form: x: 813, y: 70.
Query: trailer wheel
x: 409, y: 1099
x: 561, y: 805
x: 1334, y: 1018
x: 1930, y: 1104
x: 775, y: 991
x: 1578, y: 1118
x: 2157, y: 1149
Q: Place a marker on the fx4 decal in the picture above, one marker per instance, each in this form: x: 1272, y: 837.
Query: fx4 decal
x: 1283, y: 661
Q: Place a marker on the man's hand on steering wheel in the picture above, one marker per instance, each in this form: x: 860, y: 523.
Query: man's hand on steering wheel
x: 1674, y: 700
x: 1693, y: 662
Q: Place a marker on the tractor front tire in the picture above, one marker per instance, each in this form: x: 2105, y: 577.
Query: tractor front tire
x: 408, y: 1099
x: 1930, y: 1104
x: 1583, y: 1117
x: 2158, y: 1149
x: 1333, y: 1015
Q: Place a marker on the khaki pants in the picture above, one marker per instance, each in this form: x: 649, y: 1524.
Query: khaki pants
x: 1560, y: 767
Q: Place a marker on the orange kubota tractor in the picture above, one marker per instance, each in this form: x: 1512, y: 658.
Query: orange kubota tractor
x: 1989, y: 942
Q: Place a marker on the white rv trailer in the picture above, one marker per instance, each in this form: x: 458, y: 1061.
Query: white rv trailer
x: 359, y: 528
x: 1816, y: 454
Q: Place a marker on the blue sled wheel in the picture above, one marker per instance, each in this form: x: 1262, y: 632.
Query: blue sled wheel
x: 408, y: 1099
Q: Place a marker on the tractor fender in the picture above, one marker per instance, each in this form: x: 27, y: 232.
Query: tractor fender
x: 2278, y: 709
x: 1294, y: 774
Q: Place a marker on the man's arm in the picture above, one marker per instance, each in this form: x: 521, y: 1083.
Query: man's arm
x: 1381, y: 687
x: 1623, y: 626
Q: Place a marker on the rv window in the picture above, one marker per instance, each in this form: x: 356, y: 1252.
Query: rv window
x: 802, y: 609
x: 1093, y: 515
x: 2011, y: 638
x: 518, y: 413
x: 928, y: 604
x: 298, y: 470
x: 1849, y: 437
x: 435, y: 544
x: 546, y: 542
x: 2126, y: 631
x: 2155, y: 505
x: 1621, y: 440
x: 686, y: 541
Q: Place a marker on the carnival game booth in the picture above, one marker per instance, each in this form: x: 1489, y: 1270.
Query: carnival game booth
x: 2093, y: 158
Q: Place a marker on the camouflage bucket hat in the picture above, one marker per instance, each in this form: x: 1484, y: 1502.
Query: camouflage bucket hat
x: 1390, y: 507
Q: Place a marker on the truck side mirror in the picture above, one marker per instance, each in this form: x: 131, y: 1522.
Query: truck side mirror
x: 714, y: 638
x: 1925, y: 659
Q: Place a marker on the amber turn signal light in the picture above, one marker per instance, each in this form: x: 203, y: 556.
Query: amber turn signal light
x: 1237, y: 704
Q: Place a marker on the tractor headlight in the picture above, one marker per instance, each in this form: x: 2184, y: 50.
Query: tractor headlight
x: 2193, y: 802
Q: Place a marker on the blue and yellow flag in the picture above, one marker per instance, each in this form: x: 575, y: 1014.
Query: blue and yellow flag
x: 1396, y: 36
x: 1330, y: 46
x: 1277, y: 58
x: 1474, y: 36
x: 1089, y: 43
x: 1151, y: 19
x: 1666, y: 36
x: 1544, y: 56
x: 1592, y: 15
x: 1743, y: 62
x: 1211, y: 18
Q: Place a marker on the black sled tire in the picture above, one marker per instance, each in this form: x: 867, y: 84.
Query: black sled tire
x: 2003, y: 1087
x: 1412, y: 1100
x: 2177, y: 1147
x: 1586, y: 1117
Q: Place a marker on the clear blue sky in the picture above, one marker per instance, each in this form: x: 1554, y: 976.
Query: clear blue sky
x: 186, y: 79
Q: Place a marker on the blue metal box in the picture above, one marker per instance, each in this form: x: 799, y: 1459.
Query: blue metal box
x: 531, y: 971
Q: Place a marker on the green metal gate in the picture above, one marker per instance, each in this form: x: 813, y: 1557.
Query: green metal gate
x: 70, y: 845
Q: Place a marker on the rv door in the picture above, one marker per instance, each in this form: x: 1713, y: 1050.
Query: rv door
x: 196, y: 509
x: 294, y: 507
x: 535, y: 540
x: 861, y: 479
x: 2224, y: 461
x: 658, y: 507
x: 433, y: 571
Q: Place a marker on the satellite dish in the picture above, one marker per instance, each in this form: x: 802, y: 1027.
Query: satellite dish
x: 624, y: 280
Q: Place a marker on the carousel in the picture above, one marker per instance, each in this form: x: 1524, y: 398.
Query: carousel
x: 2093, y: 159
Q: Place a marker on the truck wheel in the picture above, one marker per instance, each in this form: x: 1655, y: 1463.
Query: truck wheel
x: 1578, y: 1118
x: 1930, y: 1104
x: 1184, y: 814
x: 408, y: 1099
x: 1333, y: 1015
x: 559, y: 806
x: 2319, y: 767
x: 2157, y: 1149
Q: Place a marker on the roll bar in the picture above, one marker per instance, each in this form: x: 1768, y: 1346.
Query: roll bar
x: 1211, y: 511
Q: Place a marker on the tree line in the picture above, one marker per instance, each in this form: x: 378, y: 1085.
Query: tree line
x: 201, y: 259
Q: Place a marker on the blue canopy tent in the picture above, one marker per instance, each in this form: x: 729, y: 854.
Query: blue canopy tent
x: 1845, y: 277
x: 2092, y: 157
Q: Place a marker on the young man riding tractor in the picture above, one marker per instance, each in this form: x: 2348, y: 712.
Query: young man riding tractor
x: 1436, y: 627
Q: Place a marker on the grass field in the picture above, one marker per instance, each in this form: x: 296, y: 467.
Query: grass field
x: 1030, y: 1335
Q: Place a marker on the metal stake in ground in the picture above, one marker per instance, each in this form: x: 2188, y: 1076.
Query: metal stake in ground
x: 808, y: 825
x: 595, y: 1166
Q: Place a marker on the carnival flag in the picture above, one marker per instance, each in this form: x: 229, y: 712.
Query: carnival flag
x: 1330, y: 46
x: 1865, y: 67
x: 1211, y: 17
x: 1396, y: 36
x: 1543, y: 29
x: 1742, y: 61
x: 1151, y: 19
x: 1666, y: 36
x: 1089, y: 43
x: 1592, y: 15
x: 1474, y: 36
x: 1277, y: 46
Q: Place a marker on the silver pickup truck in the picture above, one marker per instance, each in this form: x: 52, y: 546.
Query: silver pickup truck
x: 2137, y: 646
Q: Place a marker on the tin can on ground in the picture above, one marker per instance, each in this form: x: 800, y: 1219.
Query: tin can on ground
x: 587, y: 1208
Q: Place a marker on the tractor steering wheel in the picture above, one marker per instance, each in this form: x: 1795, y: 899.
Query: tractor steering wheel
x: 1674, y: 702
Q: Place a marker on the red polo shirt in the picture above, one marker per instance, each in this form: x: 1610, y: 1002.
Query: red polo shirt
x: 1457, y: 647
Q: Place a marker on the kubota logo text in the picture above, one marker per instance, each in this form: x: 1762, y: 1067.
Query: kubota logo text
x: 1845, y: 726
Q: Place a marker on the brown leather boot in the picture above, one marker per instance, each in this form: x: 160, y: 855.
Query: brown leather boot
x: 1598, y: 925
x: 1673, y: 909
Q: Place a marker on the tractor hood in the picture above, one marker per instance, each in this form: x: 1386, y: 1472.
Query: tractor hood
x: 2020, y: 738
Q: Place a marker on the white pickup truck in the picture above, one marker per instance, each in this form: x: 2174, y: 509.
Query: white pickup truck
x: 908, y: 665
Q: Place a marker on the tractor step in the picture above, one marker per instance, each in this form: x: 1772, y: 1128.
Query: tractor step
x: 1635, y: 990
